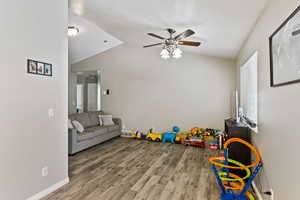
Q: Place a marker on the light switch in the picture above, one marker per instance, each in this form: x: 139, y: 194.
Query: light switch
x: 50, y: 113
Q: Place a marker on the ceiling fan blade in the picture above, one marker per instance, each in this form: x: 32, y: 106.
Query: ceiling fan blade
x: 189, y: 43
x: 157, y: 36
x: 185, y: 34
x: 151, y: 45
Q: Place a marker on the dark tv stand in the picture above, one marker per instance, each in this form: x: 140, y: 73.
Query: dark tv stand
x: 237, y: 151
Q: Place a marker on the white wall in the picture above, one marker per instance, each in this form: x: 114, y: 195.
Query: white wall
x: 29, y: 139
x: 147, y: 91
x: 72, y: 87
x: 278, y: 108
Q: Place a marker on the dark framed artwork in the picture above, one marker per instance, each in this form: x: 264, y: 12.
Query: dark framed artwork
x: 285, y: 52
x: 48, y: 69
x: 39, y: 68
x: 31, y: 66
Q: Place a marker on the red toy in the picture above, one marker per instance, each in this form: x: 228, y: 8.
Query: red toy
x: 213, y: 146
x: 200, y: 144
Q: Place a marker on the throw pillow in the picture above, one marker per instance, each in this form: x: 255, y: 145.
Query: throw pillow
x: 100, y: 121
x: 78, y: 126
x: 107, y: 120
x: 70, y: 125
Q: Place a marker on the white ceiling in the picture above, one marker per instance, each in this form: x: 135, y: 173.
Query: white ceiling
x: 89, y: 41
x: 223, y: 25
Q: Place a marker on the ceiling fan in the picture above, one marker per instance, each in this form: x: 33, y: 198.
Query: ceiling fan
x: 170, y: 45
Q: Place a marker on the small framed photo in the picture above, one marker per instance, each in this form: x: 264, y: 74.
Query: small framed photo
x: 31, y: 66
x: 40, y: 68
x: 48, y: 69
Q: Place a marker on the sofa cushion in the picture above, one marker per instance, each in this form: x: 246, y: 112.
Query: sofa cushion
x: 90, y: 133
x: 107, y: 120
x: 94, y: 119
x: 113, y: 128
x: 78, y: 126
x: 84, y: 119
x: 72, y: 117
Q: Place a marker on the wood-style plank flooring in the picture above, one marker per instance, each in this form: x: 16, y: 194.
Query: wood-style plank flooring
x: 127, y: 169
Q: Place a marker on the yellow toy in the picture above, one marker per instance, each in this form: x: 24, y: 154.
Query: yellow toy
x: 178, y: 139
x: 195, y: 131
x: 135, y: 135
x: 209, y: 137
x: 154, y: 137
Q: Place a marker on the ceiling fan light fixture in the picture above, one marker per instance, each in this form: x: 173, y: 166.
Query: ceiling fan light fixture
x: 178, y: 55
x: 170, y: 45
x: 164, y: 52
x: 177, y: 51
x: 165, y: 56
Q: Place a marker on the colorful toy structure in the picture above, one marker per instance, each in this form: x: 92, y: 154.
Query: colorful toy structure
x: 232, y: 186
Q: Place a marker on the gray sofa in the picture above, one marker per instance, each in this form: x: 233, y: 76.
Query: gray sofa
x: 93, y: 134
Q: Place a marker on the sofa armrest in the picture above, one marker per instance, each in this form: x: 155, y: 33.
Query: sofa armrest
x: 72, y: 138
x: 118, y: 121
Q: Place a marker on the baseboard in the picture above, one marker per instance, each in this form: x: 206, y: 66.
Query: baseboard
x: 257, y: 192
x: 49, y: 190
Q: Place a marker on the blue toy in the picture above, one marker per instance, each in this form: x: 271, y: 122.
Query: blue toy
x: 176, y: 129
x: 169, y: 137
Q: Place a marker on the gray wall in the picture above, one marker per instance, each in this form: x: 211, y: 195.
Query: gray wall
x: 29, y: 139
x: 278, y: 109
x: 147, y: 91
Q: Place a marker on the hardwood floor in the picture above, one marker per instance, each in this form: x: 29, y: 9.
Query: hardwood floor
x: 127, y: 169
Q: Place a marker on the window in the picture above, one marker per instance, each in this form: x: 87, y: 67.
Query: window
x: 80, y: 100
x: 248, y: 86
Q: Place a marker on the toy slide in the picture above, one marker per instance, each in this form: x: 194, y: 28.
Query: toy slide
x: 232, y: 186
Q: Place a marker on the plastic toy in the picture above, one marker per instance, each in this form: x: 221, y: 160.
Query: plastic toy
x: 232, y: 186
x: 134, y: 134
x: 143, y: 136
x: 154, y: 137
x: 219, y: 135
x: 178, y: 139
x: 200, y: 144
x: 168, y: 137
x: 195, y: 131
x: 195, y: 142
x: 213, y: 145
x: 176, y: 129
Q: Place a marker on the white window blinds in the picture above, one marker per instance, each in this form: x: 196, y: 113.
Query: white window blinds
x: 248, y: 85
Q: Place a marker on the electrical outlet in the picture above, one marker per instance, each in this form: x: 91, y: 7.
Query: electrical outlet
x: 45, y: 171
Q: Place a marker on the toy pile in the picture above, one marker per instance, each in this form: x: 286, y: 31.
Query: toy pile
x: 196, y: 137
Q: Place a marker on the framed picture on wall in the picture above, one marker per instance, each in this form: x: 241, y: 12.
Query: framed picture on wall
x: 285, y: 50
x: 39, y: 68
x: 48, y: 69
x: 31, y: 66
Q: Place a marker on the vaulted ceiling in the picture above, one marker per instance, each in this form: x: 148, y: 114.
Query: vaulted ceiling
x: 222, y: 26
x: 90, y: 41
